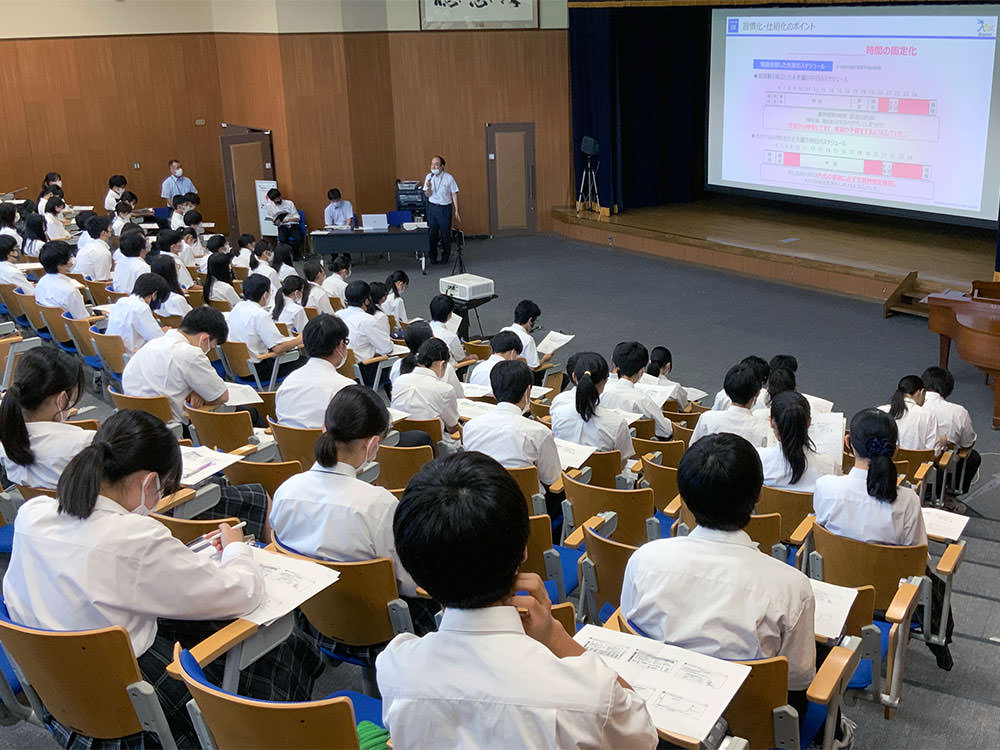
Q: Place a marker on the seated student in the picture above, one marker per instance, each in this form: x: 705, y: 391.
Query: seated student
x: 116, y: 186
x: 793, y: 463
x: 189, y: 248
x: 244, y: 245
x: 380, y: 293
x: 252, y: 325
x: 954, y: 422
x: 918, y: 427
x: 779, y: 381
x: 123, y: 216
x: 421, y: 391
x: 415, y: 335
x: 336, y: 281
x: 34, y: 235
x: 37, y: 445
x: 338, y: 212
x: 630, y: 358
x: 396, y: 283
x: 442, y: 308
x: 9, y: 272
x: 526, y: 316
x: 506, y: 346
x: 318, y: 297
x: 661, y: 362
x: 93, y: 537
x: 132, y: 317
x: 132, y: 264
x: 133, y: 200
x: 55, y: 228
x: 281, y: 212
x: 218, y: 284
x: 762, y: 370
x: 369, y: 336
x: 55, y: 288
x: 176, y: 303
x: 83, y: 238
x: 93, y: 259
x: 581, y: 418
x: 218, y: 243
x: 281, y: 262
x: 288, y: 304
x: 181, y: 207
x: 8, y: 223
x: 491, y: 676
x: 260, y: 263
x: 742, y: 387
x: 50, y: 182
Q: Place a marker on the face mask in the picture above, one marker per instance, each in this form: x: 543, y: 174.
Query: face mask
x: 64, y: 410
x: 338, y: 204
x: 58, y: 184
x: 178, y: 172
x: 371, y: 450
x: 142, y: 509
x: 435, y: 171
x: 118, y: 191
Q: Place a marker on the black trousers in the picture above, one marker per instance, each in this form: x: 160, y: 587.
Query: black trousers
x: 439, y: 228
x: 291, y: 234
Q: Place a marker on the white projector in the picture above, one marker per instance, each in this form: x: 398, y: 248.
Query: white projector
x: 466, y: 286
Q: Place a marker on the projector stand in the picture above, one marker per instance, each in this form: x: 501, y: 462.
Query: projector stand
x: 588, y: 198
x: 458, y: 240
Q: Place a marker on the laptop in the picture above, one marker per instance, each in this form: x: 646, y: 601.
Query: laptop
x: 374, y: 222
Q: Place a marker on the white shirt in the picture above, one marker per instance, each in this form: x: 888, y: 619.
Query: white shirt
x: 13, y: 233
x: 369, y: 335
x: 176, y: 304
x: 677, y: 391
x: 176, y: 220
x: 606, y: 430
x: 11, y: 274
x: 57, y: 290
x: 394, y: 306
x: 723, y: 402
x: 54, y: 445
x: 778, y: 472
x: 449, y: 337
x: 337, y: 216
x: 528, y: 349
x: 252, y: 324
x: 737, y: 420
x: 450, y: 376
x: 294, y: 315
x: 54, y: 228
x: 119, y: 568
x: 480, y: 682
x: 918, y: 427
x: 94, y: 260
x: 127, y: 270
x: 265, y: 270
x: 953, y: 419
x: 514, y: 441
x: 423, y: 395
x: 272, y: 209
x: 183, y: 274
x: 319, y: 299
x: 331, y: 514
x: 172, y: 366
x: 111, y: 199
x: 716, y: 593
x: 304, y: 395
x: 844, y: 507
x: 285, y: 271
x: 33, y: 247
x: 242, y: 258
x: 132, y: 319
x: 480, y: 374
x: 187, y: 254
x: 117, y: 224
x: 622, y: 394
x: 335, y: 286
x: 223, y: 291
x: 442, y: 186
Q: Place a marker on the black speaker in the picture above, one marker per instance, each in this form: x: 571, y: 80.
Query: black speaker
x: 590, y: 146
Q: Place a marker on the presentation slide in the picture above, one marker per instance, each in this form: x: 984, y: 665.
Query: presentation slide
x: 890, y: 108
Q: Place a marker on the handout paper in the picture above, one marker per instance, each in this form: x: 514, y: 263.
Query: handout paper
x: 833, y: 604
x: 468, y: 409
x: 241, y: 395
x: 395, y: 415
x: 398, y: 350
x: 941, y: 524
x: 572, y: 455
x: 472, y: 390
x: 827, y: 433
x: 288, y: 581
x: 540, y: 391
x: 453, y: 322
x: 200, y: 463
x: 554, y: 340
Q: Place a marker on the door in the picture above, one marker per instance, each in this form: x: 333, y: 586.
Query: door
x: 246, y: 157
x: 510, y: 177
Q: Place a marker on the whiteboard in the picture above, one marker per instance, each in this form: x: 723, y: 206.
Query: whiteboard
x: 478, y: 14
x: 267, y: 228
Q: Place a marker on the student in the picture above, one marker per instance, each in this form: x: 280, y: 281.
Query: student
x: 396, y: 283
x: 762, y: 370
x: 793, y: 463
x: 784, y: 362
x: 8, y: 221
x: 116, y: 186
x: 123, y: 216
x: 93, y: 260
x: 742, y: 387
x: 918, y: 427
x: 55, y: 288
x: 34, y: 235
x: 580, y: 417
x: 218, y: 243
x: 491, y: 676
x: 282, y: 261
x: 176, y: 303
x: 661, y: 362
x: 318, y: 297
x: 131, y: 265
x: 414, y: 335
x: 526, y: 316
x: 171, y: 244
x: 132, y: 199
x: 50, y: 181
x: 338, y: 212
x: 421, y: 391
x: 506, y: 346
x: 336, y: 281
x: 244, y: 245
x: 10, y: 273
x: 55, y: 228
x: 630, y: 359
x: 83, y: 238
x: 282, y: 213
x: 132, y: 317
x: 71, y: 554
x: 218, y: 285
x: 252, y: 325
x: 442, y: 308
x: 37, y: 445
x: 369, y: 337
x: 260, y: 263
x: 191, y: 249
x: 953, y: 422
x: 288, y: 304
x: 181, y: 207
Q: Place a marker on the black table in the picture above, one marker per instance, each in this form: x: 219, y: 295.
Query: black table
x: 391, y: 240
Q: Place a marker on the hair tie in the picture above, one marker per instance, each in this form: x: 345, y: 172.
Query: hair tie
x: 586, y: 372
x: 876, y: 446
x: 105, y: 447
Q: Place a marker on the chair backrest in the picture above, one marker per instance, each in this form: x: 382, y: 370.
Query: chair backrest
x: 687, y: 418
x: 27, y: 491
x: 683, y: 434
x: 750, y: 712
x: 609, y: 558
x: 111, y: 349
x: 237, y: 357
x: 527, y: 479
x: 538, y: 409
x: 224, y: 431
x: 268, y: 406
x: 271, y: 475
x: 400, y: 464
x: 56, y: 323
x: 241, y: 272
x: 98, y: 291
x: 539, y: 540
x: 431, y: 426
x: 478, y: 349
x: 11, y: 300
x: 196, y: 296
x: 295, y: 443
x: 914, y: 459
x: 158, y: 406
x: 793, y: 507
x: 862, y: 611
x: 187, y: 530
x: 221, y: 305
x: 662, y: 480
x: 31, y: 310
x: 554, y: 380
x: 848, y: 562
x: 672, y: 450
x: 987, y: 289
x: 170, y: 321
x: 79, y: 329
x: 765, y: 529
x: 604, y: 466
x: 114, y: 296
x: 632, y: 506
x: 347, y: 367
x: 698, y: 408
x: 644, y: 428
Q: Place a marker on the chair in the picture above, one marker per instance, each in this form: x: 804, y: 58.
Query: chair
x: 698, y: 408
x: 221, y: 305
x: 32, y: 312
x: 431, y: 426
x: 240, y: 364
x: 271, y: 475
x: 79, y: 331
x: 793, y: 507
x: 268, y: 406
x: 98, y: 291
x: 672, y: 450
x: 55, y: 322
x: 683, y: 434
x: 538, y: 409
x: 605, y: 466
x: 187, y: 530
x: 684, y: 418
x: 158, y: 406
x: 603, y: 571
x: 400, y: 464
x: 28, y: 492
x: 764, y: 529
x: 196, y: 295
x: 478, y: 349
x: 527, y: 479
x: 635, y: 508
x: 114, y: 296
x: 224, y: 431
x: 644, y: 428
x: 111, y: 350
x: 918, y: 465
x: 558, y: 566
x: 295, y: 443
x: 986, y: 289
x: 554, y: 380
x: 662, y: 480
x: 13, y: 305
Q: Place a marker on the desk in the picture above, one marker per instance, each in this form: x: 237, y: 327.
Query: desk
x: 392, y: 240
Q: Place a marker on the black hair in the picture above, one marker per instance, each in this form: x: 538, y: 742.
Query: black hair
x: 127, y: 442
x: 8, y: 214
x: 630, y: 357
x: 117, y: 180
x: 261, y: 246
x: 570, y: 366
x: 433, y: 350
x: 354, y: 413
x: 907, y: 386
x: 461, y: 529
x: 311, y: 269
x: 779, y: 381
x: 178, y: 200
x: 129, y: 197
x: 7, y: 245
x: 187, y: 232
x: 414, y: 335
x: 790, y: 413
x: 192, y: 218
x: 760, y: 367
x: 323, y: 334
x: 97, y: 225
x: 215, y: 243
x: 193, y: 198
x: 659, y: 358
x: 357, y: 292
x: 172, y: 162
x: 245, y: 240
x: 255, y: 286
x: 439, y: 158
x: 152, y: 283
x: 526, y: 310
x: 34, y: 228
x: 333, y: 194
x: 874, y: 435
x: 938, y: 380
x: 49, y: 178
x: 131, y: 228
x: 132, y: 245
x: 165, y: 267
x: 40, y: 373
x: 742, y: 383
x: 506, y: 341
x: 27, y: 208
x: 589, y: 371
x: 340, y: 263
x: 82, y: 219
x: 208, y: 320
x: 379, y: 292
x: 290, y: 285
x: 394, y: 278
x: 283, y: 256
x: 509, y: 380
x: 784, y: 362
x: 441, y: 306
x: 165, y: 239
x: 274, y: 194
x: 54, y: 254
x: 719, y: 478
x: 54, y: 203
x: 123, y: 207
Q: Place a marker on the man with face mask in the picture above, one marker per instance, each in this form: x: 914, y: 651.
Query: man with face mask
x: 283, y: 214
x: 338, y: 212
x: 442, y: 201
x: 176, y: 183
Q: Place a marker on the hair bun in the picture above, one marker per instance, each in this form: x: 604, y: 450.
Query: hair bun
x: 876, y: 446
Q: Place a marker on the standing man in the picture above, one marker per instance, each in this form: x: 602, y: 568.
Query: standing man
x: 442, y: 194
x: 176, y: 183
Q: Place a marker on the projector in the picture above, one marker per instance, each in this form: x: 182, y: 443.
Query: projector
x: 466, y: 286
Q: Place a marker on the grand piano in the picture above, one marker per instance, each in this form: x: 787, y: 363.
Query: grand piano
x: 973, y: 323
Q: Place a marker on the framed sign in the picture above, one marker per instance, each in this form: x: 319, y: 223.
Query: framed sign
x: 478, y: 14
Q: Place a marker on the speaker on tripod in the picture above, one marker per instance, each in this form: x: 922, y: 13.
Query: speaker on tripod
x: 588, y: 199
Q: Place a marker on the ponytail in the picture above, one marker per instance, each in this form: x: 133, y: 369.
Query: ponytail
x: 355, y: 413
x: 408, y: 364
x: 414, y: 335
x: 14, y: 435
x: 790, y: 413
x: 908, y: 385
x: 262, y: 246
x: 873, y: 437
x: 392, y: 279
x: 659, y: 357
x: 590, y: 371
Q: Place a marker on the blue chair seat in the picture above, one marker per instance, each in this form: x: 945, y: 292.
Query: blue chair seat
x: 569, y: 559
x: 666, y: 523
x: 7, y: 538
x: 863, y: 676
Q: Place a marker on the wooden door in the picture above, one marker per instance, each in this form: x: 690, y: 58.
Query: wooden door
x: 246, y: 157
x: 510, y: 178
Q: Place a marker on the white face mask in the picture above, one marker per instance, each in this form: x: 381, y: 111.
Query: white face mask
x: 178, y: 172
x: 58, y: 184
x: 142, y: 509
x: 435, y: 171
x: 371, y: 450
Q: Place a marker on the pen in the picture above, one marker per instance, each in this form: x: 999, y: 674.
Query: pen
x: 199, y: 469
x: 205, y: 540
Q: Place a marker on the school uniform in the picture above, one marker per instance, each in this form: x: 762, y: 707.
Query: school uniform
x: 716, y: 593
x: 176, y: 304
x: 737, y: 420
x: 514, y: 441
x: 528, y: 349
x: 58, y: 290
x: 844, y: 507
x: 336, y: 286
x: 54, y: 445
x: 778, y: 472
x: 479, y: 681
x: 677, y: 391
x: 183, y: 274
x: 606, y: 430
x: 54, y: 228
x: 176, y: 220
x: 111, y: 199
x: 172, y: 366
x: 223, y: 291
x: 33, y: 247
x: 622, y: 394
x: 252, y: 324
x: 369, y: 337
x: 285, y: 271
x: 423, y: 395
x: 450, y: 376
x: 918, y: 427
x: 303, y: 396
x: 441, y: 331
x: 117, y: 224
x: 265, y: 270
x: 394, y: 306
x: 319, y: 299
x: 723, y: 402
x: 955, y: 423
x: 242, y: 258
x: 294, y: 315
x: 480, y: 374
x: 127, y: 270
x: 11, y: 274
x: 93, y: 260
x: 331, y: 514
x: 187, y: 254
x: 11, y: 232
x: 338, y: 215
x: 132, y: 319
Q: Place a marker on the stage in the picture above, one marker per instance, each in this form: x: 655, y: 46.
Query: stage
x: 894, y: 260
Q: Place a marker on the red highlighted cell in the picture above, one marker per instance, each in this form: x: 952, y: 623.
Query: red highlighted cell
x: 791, y: 159
x: 873, y: 167
x: 908, y: 171
x: 883, y: 104
x: 914, y: 106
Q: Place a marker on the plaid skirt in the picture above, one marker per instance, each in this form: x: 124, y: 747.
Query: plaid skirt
x: 247, y: 502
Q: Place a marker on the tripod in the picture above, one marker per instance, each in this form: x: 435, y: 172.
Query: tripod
x: 458, y: 241
x: 588, y: 196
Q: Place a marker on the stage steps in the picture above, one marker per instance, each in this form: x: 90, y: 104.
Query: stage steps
x: 906, y: 299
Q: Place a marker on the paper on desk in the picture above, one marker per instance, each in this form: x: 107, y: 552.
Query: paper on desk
x: 659, y: 393
x: 288, y: 581
x: 694, y: 394
x: 685, y: 692
x: 454, y: 322
x: 469, y: 409
x: 472, y: 390
x: 106, y: 309
x: 241, y: 395
x: 398, y: 350
x: 540, y: 391
x: 29, y: 266
x: 630, y: 416
x: 200, y: 463
x: 827, y: 433
x: 262, y: 436
x: 941, y: 524
x: 553, y: 340
x: 408, y: 225
x: 833, y: 604
x: 572, y: 455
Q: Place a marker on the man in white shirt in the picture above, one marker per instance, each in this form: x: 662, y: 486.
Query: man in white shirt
x: 442, y: 196
x: 116, y: 186
x: 132, y: 264
x: 55, y: 288
x: 93, y: 259
x: 918, y: 427
x: 742, y: 387
x: 336, y: 282
x: 762, y: 369
x: 251, y: 324
x: 954, y: 422
x: 181, y: 206
x: 132, y: 318
x: 491, y: 677
x: 9, y: 272
x: 630, y: 359
x: 176, y: 183
x: 526, y: 316
x: 506, y: 346
x: 338, y: 212
x: 442, y: 308
x: 369, y: 335
x: 282, y: 213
